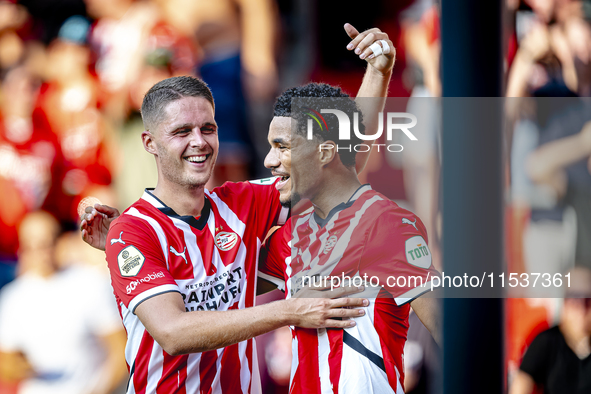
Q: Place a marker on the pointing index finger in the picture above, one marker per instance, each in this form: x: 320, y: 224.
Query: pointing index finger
x: 351, y: 32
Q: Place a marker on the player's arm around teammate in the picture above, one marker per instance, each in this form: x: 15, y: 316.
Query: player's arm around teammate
x: 180, y: 332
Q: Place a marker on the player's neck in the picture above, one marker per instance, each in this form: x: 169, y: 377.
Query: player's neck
x: 185, y: 201
x: 336, y: 189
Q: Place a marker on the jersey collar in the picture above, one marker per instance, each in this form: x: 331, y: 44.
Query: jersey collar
x: 198, y: 223
x: 344, y: 205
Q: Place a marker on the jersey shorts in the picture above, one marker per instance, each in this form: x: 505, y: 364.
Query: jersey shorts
x: 383, y: 246
x: 211, y: 261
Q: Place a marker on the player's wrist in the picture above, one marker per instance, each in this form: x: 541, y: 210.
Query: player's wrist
x: 288, y: 312
x: 385, y: 74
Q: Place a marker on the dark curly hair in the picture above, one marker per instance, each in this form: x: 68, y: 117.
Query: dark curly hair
x: 315, y: 97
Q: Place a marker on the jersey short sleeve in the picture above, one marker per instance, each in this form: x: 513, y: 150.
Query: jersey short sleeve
x: 275, y: 256
x: 137, y: 262
x: 397, y: 253
x: 255, y: 201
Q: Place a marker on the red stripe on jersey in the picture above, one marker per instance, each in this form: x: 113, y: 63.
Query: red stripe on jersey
x: 391, y: 324
x: 308, y: 372
x: 335, y: 338
x: 230, y: 369
x: 174, y: 374
x: 142, y: 361
x: 205, y: 242
x: 207, y: 370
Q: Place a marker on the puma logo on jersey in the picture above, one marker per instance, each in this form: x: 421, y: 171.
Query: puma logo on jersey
x: 180, y: 254
x: 406, y: 221
x: 118, y: 240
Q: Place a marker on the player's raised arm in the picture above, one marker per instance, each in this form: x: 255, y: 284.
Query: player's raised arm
x: 377, y: 49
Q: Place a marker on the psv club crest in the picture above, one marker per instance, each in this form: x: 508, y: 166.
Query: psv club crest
x: 225, y: 240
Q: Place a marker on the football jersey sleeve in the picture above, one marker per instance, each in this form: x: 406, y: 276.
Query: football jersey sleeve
x: 275, y: 256
x: 137, y: 262
x: 255, y: 201
x: 269, y: 209
x: 397, y: 253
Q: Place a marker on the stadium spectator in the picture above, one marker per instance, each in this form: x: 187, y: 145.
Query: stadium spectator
x: 118, y: 40
x: 70, y: 100
x: 237, y: 39
x: 561, y: 163
x: 59, y: 329
x: 558, y: 360
x: 31, y: 163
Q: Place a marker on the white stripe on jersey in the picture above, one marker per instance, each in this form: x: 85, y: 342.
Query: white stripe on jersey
x: 323, y: 365
x: 413, y: 293
x: 155, y: 226
x: 244, y: 369
x: 191, y: 244
x: 364, y: 331
x: 154, y: 368
x: 295, y: 358
x: 288, y: 270
x: 135, y: 332
x: 152, y: 200
x: 343, y: 242
x: 255, y: 385
x: 374, y: 379
x: 216, y: 385
x: 229, y: 216
x: 150, y: 293
x: 193, y: 380
x: 283, y: 216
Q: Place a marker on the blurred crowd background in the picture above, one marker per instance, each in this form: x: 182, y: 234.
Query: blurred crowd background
x: 72, y: 78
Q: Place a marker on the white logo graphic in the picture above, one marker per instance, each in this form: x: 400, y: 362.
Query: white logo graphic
x: 407, y: 221
x: 225, y: 240
x: 180, y: 254
x: 131, y: 287
x: 345, y: 125
x: 345, y: 130
x: 118, y: 240
x: 417, y: 252
x: 330, y: 243
x: 130, y: 261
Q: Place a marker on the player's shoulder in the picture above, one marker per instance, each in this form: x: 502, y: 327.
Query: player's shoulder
x: 238, y: 187
x: 388, y: 213
x: 138, y: 218
x: 240, y: 192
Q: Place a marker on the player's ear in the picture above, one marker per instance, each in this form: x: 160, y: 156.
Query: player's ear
x: 148, y: 141
x: 327, y: 151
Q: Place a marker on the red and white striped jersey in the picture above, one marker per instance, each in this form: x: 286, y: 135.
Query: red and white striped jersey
x: 211, y: 261
x: 385, y: 247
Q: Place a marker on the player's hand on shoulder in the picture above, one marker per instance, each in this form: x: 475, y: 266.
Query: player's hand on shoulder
x: 374, y: 46
x: 323, y: 307
x: 95, y: 224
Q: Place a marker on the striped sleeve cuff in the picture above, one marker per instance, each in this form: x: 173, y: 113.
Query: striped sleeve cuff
x: 138, y: 299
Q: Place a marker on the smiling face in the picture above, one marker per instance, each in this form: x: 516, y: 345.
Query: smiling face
x: 279, y: 157
x: 301, y: 180
x: 185, y: 142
